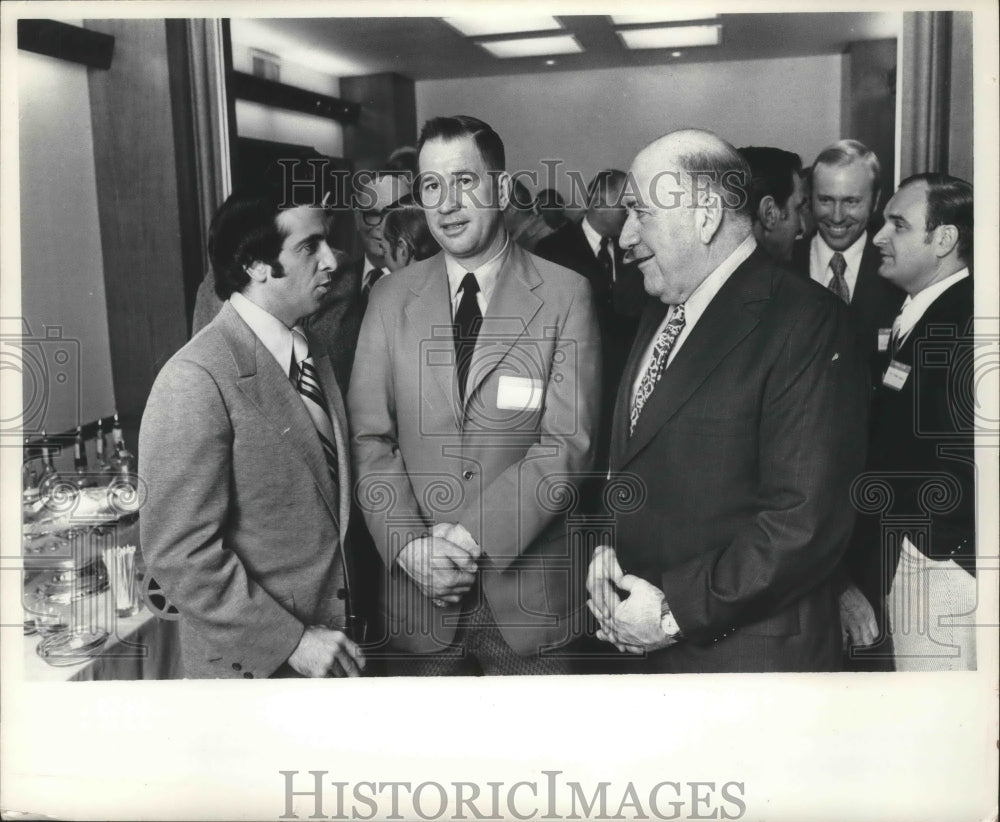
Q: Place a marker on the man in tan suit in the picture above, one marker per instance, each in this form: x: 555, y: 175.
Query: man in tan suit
x: 243, y: 449
x: 473, y: 403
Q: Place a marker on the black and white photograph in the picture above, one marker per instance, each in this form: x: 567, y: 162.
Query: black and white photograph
x: 499, y: 411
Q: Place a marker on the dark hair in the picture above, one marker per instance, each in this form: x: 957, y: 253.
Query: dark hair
x: 772, y: 174
x: 520, y: 197
x: 604, y: 182
x: 244, y: 230
x: 552, y: 207
x: 461, y: 125
x: 406, y: 221
x: 949, y: 202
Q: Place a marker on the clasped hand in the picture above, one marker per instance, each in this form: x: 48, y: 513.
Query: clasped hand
x: 633, y: 625
x: 442, y: 564
x: 326, y: 652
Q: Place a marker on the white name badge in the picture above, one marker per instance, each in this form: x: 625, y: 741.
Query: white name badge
x: 884, y: 335
x: 895, y: 375
x: 519, y: 394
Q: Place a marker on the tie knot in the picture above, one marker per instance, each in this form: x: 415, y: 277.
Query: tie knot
x: 470, y: 285
x: 838, y: 264
x: 300, y: 346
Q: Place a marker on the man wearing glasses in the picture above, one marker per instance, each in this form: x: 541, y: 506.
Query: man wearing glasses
x: 376, y: 192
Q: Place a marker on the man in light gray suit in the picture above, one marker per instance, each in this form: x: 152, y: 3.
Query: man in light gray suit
x: 473, y: 404
x: 243, y: 452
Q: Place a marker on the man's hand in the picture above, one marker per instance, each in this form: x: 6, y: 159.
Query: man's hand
x: 324, y: 652
x: 857, y: 618
x: 636, y: 623
x: 442, y: 570
x: 459, y: 535
x: 602, y: 576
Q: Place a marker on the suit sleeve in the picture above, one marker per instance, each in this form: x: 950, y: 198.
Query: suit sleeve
x: 811, y: 444
x: 185, y: 451
x: 382, y: 481
x: 512, y: 510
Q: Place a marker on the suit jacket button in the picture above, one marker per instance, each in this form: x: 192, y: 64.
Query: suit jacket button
x: 341, y: 593
x: 237, y: 667
x: 469, y: 474
x: 248, y: 675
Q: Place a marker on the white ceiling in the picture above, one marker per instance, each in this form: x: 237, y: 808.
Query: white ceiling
x: 425, y: 48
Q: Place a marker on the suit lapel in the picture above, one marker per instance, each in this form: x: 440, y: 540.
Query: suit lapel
x: 512, y: 307
x: 430, y: 311
x: 267, y: 387
x: 725, y: 322
x: 649, y: 321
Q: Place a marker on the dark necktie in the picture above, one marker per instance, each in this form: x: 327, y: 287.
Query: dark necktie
x: 604, y: 256
x: 657, y: 364
x: 468, y: 318
x: 307, y: 384
x: 373, y: 277
x: 838, y: 283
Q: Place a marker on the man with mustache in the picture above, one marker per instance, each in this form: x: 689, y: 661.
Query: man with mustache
x: 473, y: 402
x: 738, y: 420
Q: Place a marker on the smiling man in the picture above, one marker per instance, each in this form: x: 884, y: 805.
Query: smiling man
x: 841, y: 256
x: 740, y: 413
x: 243, y: 451
x: 473, y: 402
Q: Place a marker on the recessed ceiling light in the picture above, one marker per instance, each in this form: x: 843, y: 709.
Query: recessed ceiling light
x: 676, y: 53
x: 533, y: 46
x: 662, y: 17
x: 671, y: 37
x: 507, y: 24
x: 550, y: 62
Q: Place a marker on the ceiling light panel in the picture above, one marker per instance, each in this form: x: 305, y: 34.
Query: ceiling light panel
x: 672, y: 37
x: 533, y: 46
x: 482, y: 26
x: 661, y: 17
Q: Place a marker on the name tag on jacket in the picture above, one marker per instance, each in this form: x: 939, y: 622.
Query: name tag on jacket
x: 519, y: 394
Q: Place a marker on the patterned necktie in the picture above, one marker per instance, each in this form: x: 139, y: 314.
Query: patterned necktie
x: 468, y: 318
x: 894, y: 337
x: 657, y: 364
x: 838, y: 283
x: 307, y: 384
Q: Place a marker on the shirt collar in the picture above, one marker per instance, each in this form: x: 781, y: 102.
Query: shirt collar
x: 914, y: 307
x: 593, y: 236
x: 852, y: 256
x: 486, y: 274
x: 273, y: 334
x: 699, y: 299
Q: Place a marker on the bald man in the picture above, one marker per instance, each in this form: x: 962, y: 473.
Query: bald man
x: 736, y: 426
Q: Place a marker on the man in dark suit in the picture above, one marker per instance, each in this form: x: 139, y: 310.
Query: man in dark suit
x: 921, y: 448
x: 777, y: 198
x: 590, y: 247
x: 841, y: 256
x: 243, y: 449
x: 474, y: 395
x: 736, y: 433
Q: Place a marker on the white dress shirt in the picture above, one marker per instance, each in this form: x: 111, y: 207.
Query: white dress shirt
x: 274, y: 335
x: 695, y: 306
x: 820, y: 255
x: 916, y: 305
x: 486, y: 276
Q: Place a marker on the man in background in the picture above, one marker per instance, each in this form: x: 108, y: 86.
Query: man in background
x: 777, y: 199
x: 921, y: 447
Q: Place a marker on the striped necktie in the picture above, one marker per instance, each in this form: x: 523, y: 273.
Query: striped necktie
x: 657, y: 363
x: 307, y: 384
